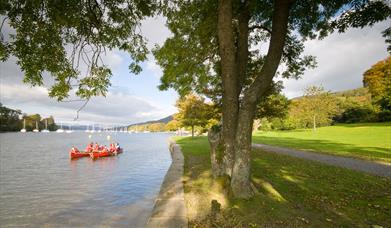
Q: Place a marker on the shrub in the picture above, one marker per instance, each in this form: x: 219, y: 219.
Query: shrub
x: 357, y: 115
x: 384, y: 116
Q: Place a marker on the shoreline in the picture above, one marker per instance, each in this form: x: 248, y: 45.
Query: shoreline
x: 170, y: 209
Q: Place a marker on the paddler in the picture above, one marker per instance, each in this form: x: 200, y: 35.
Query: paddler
x: 112, y: 147
x: 96, y: 147
x: 74, y: 150
x: 89, y: 147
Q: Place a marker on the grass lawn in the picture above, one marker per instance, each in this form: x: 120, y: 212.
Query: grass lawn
x: 292, y: 193
x: 370, y: 141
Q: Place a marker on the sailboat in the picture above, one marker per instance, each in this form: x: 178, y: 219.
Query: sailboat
x: 36, y: 127
x: 88, y: 129
x: 69, y: 130
x: 60, y: 130
x: 93, y: 128
x: 46, y: 127
x: 23, y: 130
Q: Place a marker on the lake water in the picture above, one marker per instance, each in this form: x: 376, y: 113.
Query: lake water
x: 41, y: 186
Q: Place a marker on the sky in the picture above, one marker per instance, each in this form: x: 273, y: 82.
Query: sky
x: 342, y: 59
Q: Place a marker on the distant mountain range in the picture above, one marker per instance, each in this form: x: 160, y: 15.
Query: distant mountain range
x: 163, y: 120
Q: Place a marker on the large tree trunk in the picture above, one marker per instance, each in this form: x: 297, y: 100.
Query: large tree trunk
x: 230, y: 81
x: 240, y: 178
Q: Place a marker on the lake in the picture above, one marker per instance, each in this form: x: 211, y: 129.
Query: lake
x: 41, y: 186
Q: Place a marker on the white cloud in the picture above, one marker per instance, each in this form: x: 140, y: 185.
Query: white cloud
x: 115, y: 108
x: 155, y: 30
x: 342, y: 59
x: 154, y: 68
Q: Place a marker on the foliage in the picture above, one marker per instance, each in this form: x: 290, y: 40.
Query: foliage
x: 378, y: 81
x: 274, y: 105
x: 9, y: 119
x: 194, y: 26
x: 357, y: 115
x: 384, y: 116
x: 363, y: 140
x: 316, y: 107
x: 153, y: 127
x: 292, y: 193
x: 51, y: 125
x: 173, y: 125
x: 59, y: 36
x: 193, y: 111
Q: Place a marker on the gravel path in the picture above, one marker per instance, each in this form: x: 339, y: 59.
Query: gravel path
x: 378, y: 169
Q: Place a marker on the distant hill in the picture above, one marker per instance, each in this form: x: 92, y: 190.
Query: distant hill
x: 163, y: 120
x: 361, y: 91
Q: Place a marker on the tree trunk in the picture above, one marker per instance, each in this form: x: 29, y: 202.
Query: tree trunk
x: 192, y: 131
x: 216, y: 151
x: 240, y: 178
x: 230, y: 82
x: 314, y: 122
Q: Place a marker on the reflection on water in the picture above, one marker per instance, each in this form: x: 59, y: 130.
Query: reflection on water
x: 40, y: 185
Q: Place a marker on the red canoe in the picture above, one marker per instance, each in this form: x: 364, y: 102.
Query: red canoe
x: 118, y: 151
x: 100, y: 154
x: 73, y: 155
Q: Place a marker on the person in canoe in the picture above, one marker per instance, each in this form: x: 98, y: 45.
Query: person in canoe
x: 74, y: 150
x: 96, y: 147
x: 90, y: 147
x: 112, y: 147
x: 117, y: 147
x: 104, y: 149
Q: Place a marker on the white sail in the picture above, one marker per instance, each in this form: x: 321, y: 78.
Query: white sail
x: 46, y: 127
x: 60, y: 130
x: 23, y: 130
x: 36, y: 127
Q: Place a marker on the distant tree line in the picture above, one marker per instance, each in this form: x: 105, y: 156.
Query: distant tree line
x: 318, y: 107
x: 12, y: 120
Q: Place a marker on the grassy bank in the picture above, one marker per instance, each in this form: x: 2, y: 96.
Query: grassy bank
x: 292, y: 192
x: 369, y: 141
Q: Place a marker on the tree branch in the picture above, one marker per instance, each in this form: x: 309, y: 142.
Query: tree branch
x: 78, y: 111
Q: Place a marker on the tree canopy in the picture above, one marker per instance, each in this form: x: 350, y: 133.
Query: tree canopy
x: 62, y: 37
x: 378, y: 81
x: 193, y: 111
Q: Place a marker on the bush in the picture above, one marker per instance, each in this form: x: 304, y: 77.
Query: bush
x: 284, y: 124
x: 384, y: 116
x: 265, y: 125
x: 356, y: 115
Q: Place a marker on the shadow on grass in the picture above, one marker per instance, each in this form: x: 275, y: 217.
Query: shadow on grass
x: 292, y: 192
x: 328, y: 147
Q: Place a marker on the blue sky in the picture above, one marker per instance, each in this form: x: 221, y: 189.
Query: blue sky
x: 342, y: 59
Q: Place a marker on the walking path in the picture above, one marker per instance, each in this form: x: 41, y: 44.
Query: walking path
x: 170, y: 208
x: 378, y: 169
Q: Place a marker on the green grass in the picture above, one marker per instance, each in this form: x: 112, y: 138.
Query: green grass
x: 292, y: 193
x: 369, y: 141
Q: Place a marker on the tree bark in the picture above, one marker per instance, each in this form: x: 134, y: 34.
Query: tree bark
x: 216, y: 151
x: 192, y: 131
x: 230, y: 82
x: 240, y: 178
